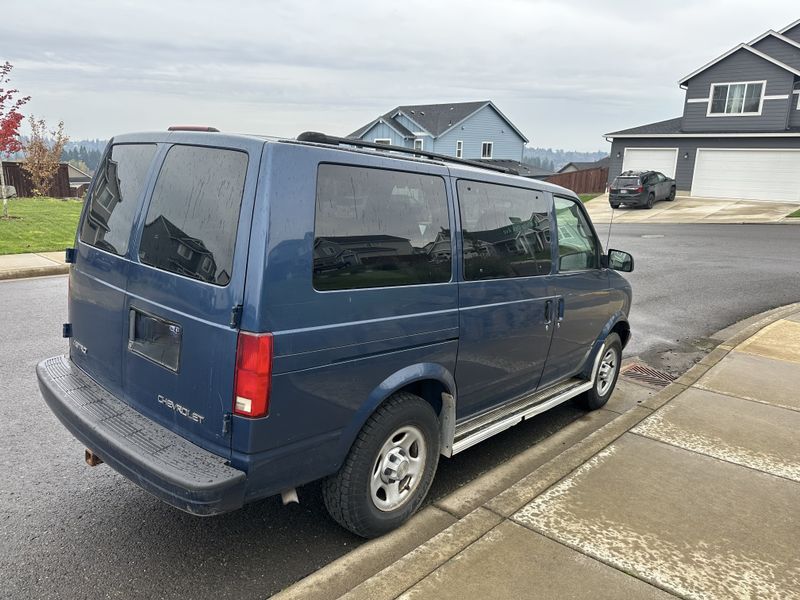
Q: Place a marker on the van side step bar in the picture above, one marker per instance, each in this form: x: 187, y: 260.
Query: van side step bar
x: 484, y: 426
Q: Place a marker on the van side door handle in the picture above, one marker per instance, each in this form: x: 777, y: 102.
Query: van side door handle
x: 548, y: 313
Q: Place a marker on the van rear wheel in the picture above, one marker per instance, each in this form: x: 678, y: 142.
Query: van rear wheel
x: 389, y: 469
x: 606, y: 374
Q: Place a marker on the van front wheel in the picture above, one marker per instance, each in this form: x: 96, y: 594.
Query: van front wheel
x: 605, y: 376
x: 389, y: 469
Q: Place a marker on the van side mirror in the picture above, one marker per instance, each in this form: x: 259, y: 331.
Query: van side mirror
x: 619, y: 261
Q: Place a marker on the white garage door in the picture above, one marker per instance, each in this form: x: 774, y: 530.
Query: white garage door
x: 750, y: 174
x: 651, y: 159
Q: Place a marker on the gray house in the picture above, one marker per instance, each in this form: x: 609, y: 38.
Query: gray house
x: 739, y: 136
x: 472, y: 130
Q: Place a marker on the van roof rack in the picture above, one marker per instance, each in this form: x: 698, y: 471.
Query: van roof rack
x: 321, y: 138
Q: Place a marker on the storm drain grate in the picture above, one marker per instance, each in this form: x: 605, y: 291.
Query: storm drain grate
x: 640, y: 372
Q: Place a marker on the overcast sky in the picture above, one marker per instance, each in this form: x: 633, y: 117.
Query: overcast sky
x: 564, y: 72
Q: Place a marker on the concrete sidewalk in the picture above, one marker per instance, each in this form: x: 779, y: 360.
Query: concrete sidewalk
x: 685, y: 209
x: 694, y: 493
x: 13, y: 266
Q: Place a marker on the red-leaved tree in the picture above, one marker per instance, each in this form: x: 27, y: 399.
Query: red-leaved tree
x: 10, y: 119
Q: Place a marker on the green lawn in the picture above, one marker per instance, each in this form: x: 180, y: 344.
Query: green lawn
x: 38, y: 225
x: 795, y: 214
x: 586, y: 197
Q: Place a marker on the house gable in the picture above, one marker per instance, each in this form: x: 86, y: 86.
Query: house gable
x: 779, y: 47
x: 380, y: 130
x: 408, y: 123
x: 792, y: 31
x: 743, y: 64
x: 735, y: 50
x: 485, y: 125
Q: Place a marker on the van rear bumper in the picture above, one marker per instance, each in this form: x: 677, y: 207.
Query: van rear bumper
x: 158, y: 460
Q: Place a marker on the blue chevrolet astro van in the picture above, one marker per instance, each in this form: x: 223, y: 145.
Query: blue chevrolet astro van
x: 247, y: 315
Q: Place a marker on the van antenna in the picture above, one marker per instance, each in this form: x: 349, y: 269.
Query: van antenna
x: 610, y: 223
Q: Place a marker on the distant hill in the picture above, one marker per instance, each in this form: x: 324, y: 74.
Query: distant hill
x: 88, y: 152
x: 553, y: 159
x: 88, y: 144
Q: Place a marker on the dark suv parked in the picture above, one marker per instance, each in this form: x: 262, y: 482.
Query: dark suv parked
x: 640, y: 188
x: 248, y: 315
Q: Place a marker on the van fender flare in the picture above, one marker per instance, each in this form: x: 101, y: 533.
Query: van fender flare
x: 588, y: 368
x: 397, y: 381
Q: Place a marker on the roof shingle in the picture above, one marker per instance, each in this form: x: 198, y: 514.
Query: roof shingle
x: 659, y: 127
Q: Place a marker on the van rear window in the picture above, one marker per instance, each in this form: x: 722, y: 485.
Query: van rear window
x: 117, y: 190
x: 191, y: 224
x: 376, y: 227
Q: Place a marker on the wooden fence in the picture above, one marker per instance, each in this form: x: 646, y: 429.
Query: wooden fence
x: 587, y: 181
x: 15, y: 175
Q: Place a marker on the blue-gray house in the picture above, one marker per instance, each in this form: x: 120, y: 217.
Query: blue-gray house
x: 739, y: 135
x: 472, y: 130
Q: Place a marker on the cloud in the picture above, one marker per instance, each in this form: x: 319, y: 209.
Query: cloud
x: 564, y: 72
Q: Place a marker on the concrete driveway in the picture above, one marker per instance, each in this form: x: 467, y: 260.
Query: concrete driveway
x: 685, y: 209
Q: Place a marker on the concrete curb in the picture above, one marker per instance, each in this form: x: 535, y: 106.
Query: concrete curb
x: 440, y: 535
x: 34, y: 272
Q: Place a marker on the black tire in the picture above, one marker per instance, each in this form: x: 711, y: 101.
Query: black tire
x: 614, y: 205
x: 348, y: 494
x: 601, y: 391
x: 671, y: 196
x: 651, y: 199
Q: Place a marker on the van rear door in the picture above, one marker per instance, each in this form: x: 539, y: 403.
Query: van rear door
x: 185, y: 287
x: 100, y: 274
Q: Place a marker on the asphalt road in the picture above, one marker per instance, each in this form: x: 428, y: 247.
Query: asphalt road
x: 71, y: 531
x: 691, y: 281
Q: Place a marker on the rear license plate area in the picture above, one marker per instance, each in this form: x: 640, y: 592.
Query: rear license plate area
x: 155, y: 338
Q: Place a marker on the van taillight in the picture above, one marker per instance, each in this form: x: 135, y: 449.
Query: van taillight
x: 253, y: 374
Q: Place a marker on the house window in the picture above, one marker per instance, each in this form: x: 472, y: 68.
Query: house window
x: 185, y: 251
x: 486, y: 149
x: 417, y: 144
x: 736, y: 98
x: 383, y: 141
x: 459, y: 149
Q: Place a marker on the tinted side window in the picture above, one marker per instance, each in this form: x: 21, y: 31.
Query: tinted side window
x: 191, y: 224
x: 119, y: 182
x: 577, y: 246
x: 375, y: 227
x: 505, y: 230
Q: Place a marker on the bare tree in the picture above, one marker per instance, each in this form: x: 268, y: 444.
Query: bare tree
x: 43, y: 154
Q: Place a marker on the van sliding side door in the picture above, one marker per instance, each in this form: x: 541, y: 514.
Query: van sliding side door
x: 506, y: 312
